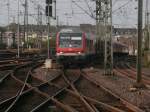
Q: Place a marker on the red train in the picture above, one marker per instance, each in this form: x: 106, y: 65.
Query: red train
x: 79, y: 47
x: 74, y: 45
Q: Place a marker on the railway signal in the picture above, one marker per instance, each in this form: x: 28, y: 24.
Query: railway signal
x: 49, y: 14
x: 48, y: 9
x: 49, y: 1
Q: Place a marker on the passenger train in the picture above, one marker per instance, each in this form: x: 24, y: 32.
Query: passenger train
x: 74, y: 45
x: 79, y: 46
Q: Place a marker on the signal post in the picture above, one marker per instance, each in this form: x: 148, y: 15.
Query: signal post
x: 48, y: 12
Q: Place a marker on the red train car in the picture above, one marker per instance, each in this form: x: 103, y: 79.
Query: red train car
x: 72, y: 46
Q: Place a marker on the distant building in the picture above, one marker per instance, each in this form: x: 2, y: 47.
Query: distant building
x: 8, y: 38
x: 124, y: 35
x: 130, y: 41
x: 88, y: 28
x: 124, y: 31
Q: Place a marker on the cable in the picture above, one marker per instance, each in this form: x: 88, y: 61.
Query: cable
x: 89, y: 8
x: 122, y: 6
x: 84, y: 10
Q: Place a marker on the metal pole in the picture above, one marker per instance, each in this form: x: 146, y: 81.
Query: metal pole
x: 139, y: 57
x: 146, y: 13
x: 108, y: 61
x: 55, y: 8
x: 41, y: 30
x: 8, y: 40
x: 39, y: 24
x: 18, y: 32
x: 147, y: 46
x: 8, y: 13
x: 99, y: 22
x: 148, y: 25
x: 26, y: 22
x: 38, y: 31
x: 57, y: 21
x: 111, y: 33
x: 48, y: 43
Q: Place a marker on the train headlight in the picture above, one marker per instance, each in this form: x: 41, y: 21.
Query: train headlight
x: 61, y: 52
x: 79, y: 52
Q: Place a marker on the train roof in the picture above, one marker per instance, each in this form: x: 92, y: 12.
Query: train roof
x: 69, y: 30
x: 118, y: 44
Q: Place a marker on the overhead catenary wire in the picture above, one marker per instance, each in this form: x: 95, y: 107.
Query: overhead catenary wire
x: 82, y: 3
x: 91, y: 15
x: 91, y: 11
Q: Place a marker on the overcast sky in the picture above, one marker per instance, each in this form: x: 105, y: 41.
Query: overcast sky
x: 124, y: 12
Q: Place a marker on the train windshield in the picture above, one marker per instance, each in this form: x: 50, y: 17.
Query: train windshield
x: 72, y: 40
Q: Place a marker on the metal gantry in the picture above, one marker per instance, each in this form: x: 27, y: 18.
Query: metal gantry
x: 104, y: 32
x: 39, y: 24
x: 99, y: 26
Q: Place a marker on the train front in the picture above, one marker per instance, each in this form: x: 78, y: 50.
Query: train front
x: 70, y: 47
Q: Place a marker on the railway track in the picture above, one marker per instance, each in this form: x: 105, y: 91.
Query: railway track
x: 71, y: 91
x: 132, y: 60
x: 7, y: 56
x: 102, y: 95
x: 128, y: 71
x: 10, y: 88
x: 12, y: 84
x: 70, y: 97
x: 12, y: 63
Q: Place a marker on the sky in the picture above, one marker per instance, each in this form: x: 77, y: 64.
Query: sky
x: 124, y: 12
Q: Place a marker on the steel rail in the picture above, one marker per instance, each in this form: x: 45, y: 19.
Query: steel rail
x: 92, y: 102
x: 134, y: 70
x: 95, y: 102
x: 66, y: 108
x: 16, y: 97
x: 58, y: 93
x: 65, y: 88
x: 21, y: 92
x: 81, y: 97
x: 13, y: 78
x: 86, y: 104
x: 127, y: 72
x: 127, y: 104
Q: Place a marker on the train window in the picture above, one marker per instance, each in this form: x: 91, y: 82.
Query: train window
x: 73, y: 40
x: 76, y: 38
x: 64, y: 37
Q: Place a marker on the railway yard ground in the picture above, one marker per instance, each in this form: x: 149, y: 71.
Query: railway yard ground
x: 119, y: 85
x: 27, y: 86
